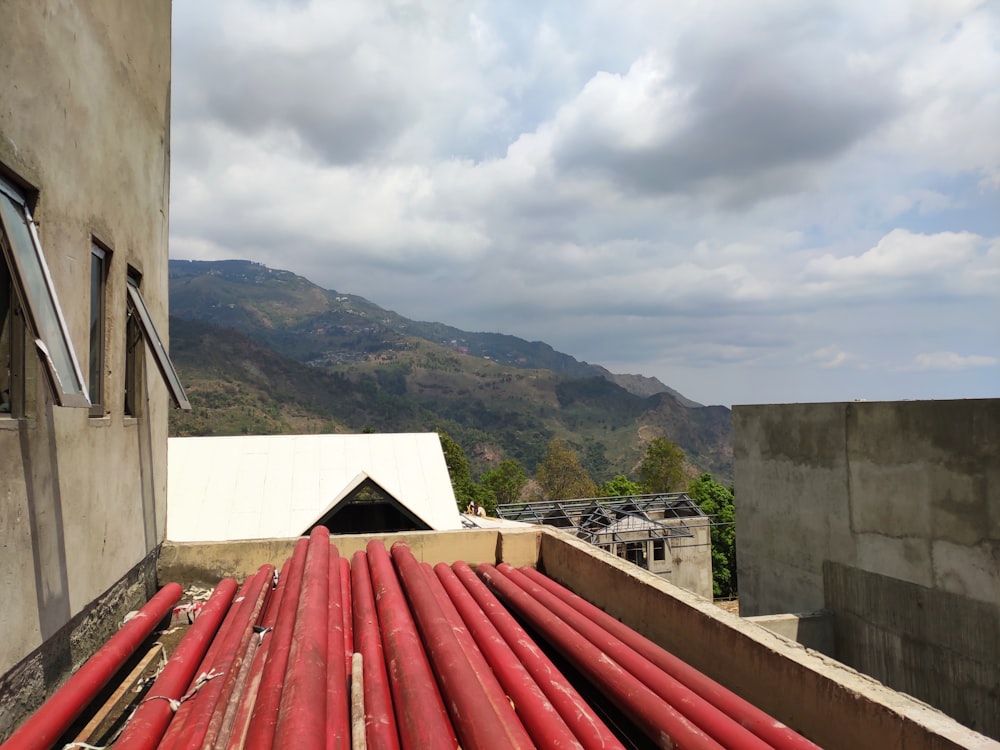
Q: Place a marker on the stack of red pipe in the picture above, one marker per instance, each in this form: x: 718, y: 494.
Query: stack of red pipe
x: 443, y: 664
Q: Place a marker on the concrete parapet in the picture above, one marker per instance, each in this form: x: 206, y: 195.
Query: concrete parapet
x: 832, y: 704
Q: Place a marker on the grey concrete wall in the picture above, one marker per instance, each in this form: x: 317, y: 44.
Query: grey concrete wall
x: 690, y: 560
x: 25, y: 687
x: 907, y: 491
x: 86, y: 93
x: 941, y: 647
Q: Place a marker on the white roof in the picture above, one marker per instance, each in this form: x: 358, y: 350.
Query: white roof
x: 277, y: 486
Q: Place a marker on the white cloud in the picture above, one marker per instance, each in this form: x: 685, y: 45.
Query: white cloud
x: 952, y: 361
x: 708, y: 190
x: 830, y: 357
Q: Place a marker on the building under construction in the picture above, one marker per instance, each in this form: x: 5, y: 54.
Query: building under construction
x: 667, y: 533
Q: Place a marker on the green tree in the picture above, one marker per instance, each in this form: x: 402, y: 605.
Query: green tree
x: 621, y: 486
x: 466, y: 490
x: 717, y: 501
x: 561, y: 476
x: 662, y: 469
x: 505, y: 481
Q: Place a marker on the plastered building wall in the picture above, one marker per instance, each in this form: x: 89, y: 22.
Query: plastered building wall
x: 888, y: 515
x: 84, y: 123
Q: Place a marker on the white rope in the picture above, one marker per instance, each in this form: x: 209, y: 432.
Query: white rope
x: 175, y: 703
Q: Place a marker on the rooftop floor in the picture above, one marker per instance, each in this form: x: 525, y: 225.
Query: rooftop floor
x: 832, y: 705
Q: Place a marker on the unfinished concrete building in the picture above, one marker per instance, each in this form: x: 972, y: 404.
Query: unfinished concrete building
x: 667, y: 534
x: 84, y: 181
x: 885, y: 517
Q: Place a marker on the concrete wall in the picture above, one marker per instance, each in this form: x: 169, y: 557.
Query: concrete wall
x: 690, y: 559
x: 908, y: 492
x: 85, y: 92
x: 828, y: 702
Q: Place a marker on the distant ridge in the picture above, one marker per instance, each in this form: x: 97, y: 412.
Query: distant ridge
x: 303, y: 358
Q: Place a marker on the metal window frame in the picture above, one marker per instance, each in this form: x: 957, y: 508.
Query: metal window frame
x: 159, y: 351
x: 66, y: 383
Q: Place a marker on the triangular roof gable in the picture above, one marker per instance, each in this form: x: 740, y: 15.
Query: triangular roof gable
x: 267, y: 486
x: 349, y: 496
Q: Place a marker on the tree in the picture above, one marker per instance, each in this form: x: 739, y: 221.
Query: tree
x: 621, y: 486
x: 662, y: 470
x: 561, y: 476
x: 466, y: 490
x: 505, y: 481
x: 717, y: 501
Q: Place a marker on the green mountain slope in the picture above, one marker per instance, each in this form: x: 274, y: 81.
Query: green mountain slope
x: 266, y: 351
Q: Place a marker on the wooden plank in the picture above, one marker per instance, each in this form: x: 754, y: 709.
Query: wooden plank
x: 121, y: 697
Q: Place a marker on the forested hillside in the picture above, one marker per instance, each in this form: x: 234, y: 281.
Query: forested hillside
x: 266, y: 351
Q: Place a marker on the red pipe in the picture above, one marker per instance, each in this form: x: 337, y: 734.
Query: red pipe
x: 203, y: 722
x: 302, y: 717
x: 540, y: 718
x: 54, y: 717
x: 481, y: 715
x: 338, y: 710
x: 380, y: 724
x: 149, y: 721
x: 237, y: 737
x: 175, y: 730
x: 703, y: 714
x: 264, y: 718
x: 422, y: 719
x: 757, y: 721
x: 657, y: 719
x: 345, y: 591
x: 574, y: 710
x: 494, y: 691
x: 227, y: 705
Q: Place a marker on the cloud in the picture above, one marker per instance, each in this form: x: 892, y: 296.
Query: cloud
x: 903, y: 263
x: 830, y: 357
x: 706, y: 192
x: 952, y: 361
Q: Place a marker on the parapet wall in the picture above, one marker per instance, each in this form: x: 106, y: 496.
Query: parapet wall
x: 901, y: 502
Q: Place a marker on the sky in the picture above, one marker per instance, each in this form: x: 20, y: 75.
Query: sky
x: 755, y: 202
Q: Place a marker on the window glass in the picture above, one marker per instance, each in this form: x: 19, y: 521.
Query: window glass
x: 31, y: 275
x: 98, y: 276
x: 6, y: 338
x: 133, y: 354
x: 138, y: 312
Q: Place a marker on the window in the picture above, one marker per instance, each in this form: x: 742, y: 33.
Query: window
x: 30, y: 283
x: 140, y: 326
x: 11, y: 335
x: 98, y: 283
x: 659, y: 550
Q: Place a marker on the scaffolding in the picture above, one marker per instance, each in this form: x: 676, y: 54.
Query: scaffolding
x: 640, y: 528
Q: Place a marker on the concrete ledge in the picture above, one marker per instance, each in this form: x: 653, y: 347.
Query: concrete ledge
x: 813, y: 630
x: 206, y: 563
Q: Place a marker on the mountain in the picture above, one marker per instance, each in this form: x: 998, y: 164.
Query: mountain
x: 266, y: 351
